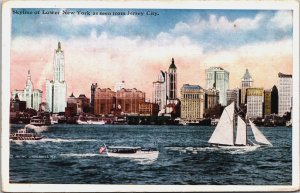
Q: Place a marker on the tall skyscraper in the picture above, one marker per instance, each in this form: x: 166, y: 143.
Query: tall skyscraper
x: 93, y: 91
x: 192, y: 103
x: 285, y: 93
x: 159, y: 92
x: 218, y: 78
x: 172, y: 81
x: 164, y: 92
x: 56, y: 89
x: 33, y: 97
x: 267, y: 102
x: 247, y: 82
x: 274, y: 100
x: 255, y: 99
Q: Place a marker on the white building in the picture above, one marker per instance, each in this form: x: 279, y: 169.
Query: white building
x: 247, y: 82
x: 119, y: 86
x: 159, y: 93
x: 218, y: 78
x: 56, y: 89
x: 255, y: 99
x: 285, y: 93
x: 33, y: 97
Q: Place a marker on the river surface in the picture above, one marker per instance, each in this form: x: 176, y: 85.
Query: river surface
x: 70, y: 155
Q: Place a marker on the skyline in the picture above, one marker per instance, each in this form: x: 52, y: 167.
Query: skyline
x: 122, y: 49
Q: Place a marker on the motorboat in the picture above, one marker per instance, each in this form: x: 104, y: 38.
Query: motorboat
x: 130, y: 152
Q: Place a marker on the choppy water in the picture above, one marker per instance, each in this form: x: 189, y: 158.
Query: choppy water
x: 69, y: 155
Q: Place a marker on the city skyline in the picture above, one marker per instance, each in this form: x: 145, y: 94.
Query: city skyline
x: 96, y: 50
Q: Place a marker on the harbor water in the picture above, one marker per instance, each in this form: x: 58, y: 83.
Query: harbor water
x: 69, y: 154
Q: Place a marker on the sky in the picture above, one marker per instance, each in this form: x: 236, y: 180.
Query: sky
x: 134, y: 48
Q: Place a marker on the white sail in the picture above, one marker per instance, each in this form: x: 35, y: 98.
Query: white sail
x: 223, y: 134
x: 259, y: 137
x: 241, y: 132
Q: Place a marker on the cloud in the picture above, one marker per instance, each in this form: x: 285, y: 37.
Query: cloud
x: 124, y: 20
x: 282, y: 19
x: 219, y: 23
x: 96, y: 20
x: 108, y: 59
x: 79, y: 20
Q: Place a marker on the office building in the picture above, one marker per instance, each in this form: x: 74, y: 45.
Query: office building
x: 285, y: 93
x: 218, y: 78
x: 247, y: 82
x: 233, y: 95
x: 267, y: 102
x: 56, y: 89
x: 148, y: 109
x: 32, y: 97
x: 124, y: 101
x: 274, y: 100
x: 159, y: 92
x: 255, y: 99
x: 192, y: 103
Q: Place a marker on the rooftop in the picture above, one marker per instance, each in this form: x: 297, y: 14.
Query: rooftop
x: 247, y: 75
x: 173, y: 64
x: 191, y: 87
x: 280, y: 75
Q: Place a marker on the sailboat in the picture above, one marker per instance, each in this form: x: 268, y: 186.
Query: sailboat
x: 223, y: 135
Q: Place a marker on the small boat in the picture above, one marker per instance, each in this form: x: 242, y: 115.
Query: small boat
x: 80, y: 122
x: 96, y: 122
x: 223, y: 135
x: 90, y: 121
x: 130, y: 152
x: 214, y: 122
x: 289, y: 123
x: 26, y: 134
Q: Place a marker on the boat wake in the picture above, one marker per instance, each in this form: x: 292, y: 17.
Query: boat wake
x: 196, y: 150
x: 53, y: 140
x: 37, y: 129
x: 59, y: 140
x: 80, y: 155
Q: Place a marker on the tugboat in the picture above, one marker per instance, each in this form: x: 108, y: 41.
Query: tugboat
x: 26, y: 134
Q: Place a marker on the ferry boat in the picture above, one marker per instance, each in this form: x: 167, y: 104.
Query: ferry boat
x: 130, y: 152
x: 25, y: 133
x: 40, y: 120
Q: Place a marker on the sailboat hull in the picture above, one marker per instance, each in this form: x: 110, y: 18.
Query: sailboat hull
x: 233, y: 147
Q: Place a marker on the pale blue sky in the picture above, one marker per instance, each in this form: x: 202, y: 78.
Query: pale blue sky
x: 213, y: 29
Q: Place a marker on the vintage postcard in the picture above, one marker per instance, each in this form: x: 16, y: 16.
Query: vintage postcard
x: 150, y: 96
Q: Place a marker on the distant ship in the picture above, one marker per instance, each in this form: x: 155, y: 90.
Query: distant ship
x: 130, y: 152
x: 26, y: 133
x: 90, y: 121
x: 223, y: 135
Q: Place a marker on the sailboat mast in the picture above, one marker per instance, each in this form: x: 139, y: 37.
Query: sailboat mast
x: 233, y: 128
x: 246, y: 121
